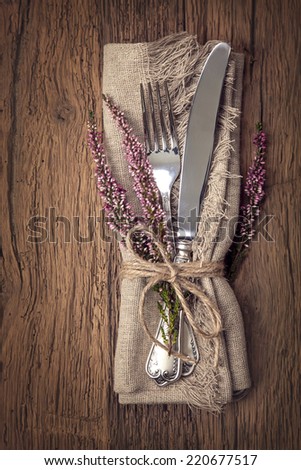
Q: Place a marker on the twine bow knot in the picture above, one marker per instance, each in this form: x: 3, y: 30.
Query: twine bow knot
x: 179, y: 275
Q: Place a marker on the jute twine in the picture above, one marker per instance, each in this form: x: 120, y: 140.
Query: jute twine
x: 179, y: 275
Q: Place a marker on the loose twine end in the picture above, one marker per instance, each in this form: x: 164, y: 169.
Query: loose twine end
x: 178, y: 275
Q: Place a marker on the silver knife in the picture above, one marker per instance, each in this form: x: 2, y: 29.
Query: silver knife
x: 199, y: 140
x: 197, y: 158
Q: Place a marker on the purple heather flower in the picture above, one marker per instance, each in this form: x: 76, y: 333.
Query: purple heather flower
x: 141, y: 171
x: 254, y: 188
x: 120, y: 216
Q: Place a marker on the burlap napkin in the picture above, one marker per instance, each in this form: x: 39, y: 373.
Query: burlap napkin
x: 179, y: 60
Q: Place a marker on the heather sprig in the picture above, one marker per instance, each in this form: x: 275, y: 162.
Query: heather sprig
x: 141, y: 171
x: 254, y: 188
x: 119, y: 214
x: 249, y: 211
x: 148, y: 195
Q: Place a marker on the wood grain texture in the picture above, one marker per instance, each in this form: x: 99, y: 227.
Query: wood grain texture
x: 60, y: 293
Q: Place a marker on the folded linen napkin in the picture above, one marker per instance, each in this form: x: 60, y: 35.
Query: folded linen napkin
x: 179, y: 60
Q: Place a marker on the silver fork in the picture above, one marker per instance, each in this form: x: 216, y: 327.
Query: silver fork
x: 165, y: 161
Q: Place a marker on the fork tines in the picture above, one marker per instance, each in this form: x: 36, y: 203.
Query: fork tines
x: 165, y: 122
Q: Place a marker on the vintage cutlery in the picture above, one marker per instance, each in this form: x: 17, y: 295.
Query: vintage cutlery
x: 165, y: 161
x: 195, y: 170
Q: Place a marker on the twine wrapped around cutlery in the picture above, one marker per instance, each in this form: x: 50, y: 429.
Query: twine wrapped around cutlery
x: 179, y: 59
x: 178, y: 275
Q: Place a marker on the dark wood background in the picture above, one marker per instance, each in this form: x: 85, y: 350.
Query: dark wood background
x: 60, y: 295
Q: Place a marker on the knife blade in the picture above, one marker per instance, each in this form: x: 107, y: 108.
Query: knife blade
x: 198, y: 146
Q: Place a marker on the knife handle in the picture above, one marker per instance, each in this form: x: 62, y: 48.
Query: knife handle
x: 184, y: 251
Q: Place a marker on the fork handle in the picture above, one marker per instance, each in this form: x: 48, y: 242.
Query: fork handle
x: 167, y: 209
x: 160, y: 366
x: 189, y: 344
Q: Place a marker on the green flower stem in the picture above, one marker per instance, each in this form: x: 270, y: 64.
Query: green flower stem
x: 169, y: 310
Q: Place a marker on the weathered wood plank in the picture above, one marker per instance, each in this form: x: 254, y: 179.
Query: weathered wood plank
x: 268, y: 286
x: 61, y: 294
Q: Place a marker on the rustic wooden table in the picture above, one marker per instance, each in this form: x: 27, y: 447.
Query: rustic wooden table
x: 60, y: 295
